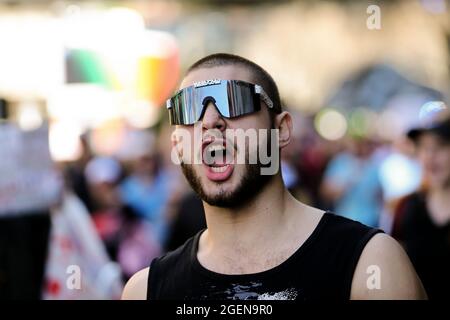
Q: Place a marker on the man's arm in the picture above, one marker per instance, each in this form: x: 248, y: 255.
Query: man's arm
x: 136, y: 287
x: 384, y: 271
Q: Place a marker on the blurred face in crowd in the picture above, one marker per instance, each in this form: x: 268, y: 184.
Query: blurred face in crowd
x: 360, y: 147
x: 105, y: 195
x: 434, y: 154
x: 145, y: 165
x: 234, y: 183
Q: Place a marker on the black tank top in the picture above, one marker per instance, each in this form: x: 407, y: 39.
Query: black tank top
x: 321, y: 269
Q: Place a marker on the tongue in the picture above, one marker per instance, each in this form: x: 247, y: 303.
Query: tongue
x: 219, y: 162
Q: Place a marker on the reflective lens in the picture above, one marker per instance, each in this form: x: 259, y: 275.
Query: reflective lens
x: 233, y: 98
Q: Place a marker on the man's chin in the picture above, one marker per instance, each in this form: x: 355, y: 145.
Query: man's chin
x: 239, y: 189
x: 225, y: 194
x: 222, y: 200
x: 219, y: 194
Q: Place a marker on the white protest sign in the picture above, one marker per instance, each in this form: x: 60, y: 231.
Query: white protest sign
x: 28, y: 179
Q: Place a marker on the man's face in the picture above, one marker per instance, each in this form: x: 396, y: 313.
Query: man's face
x: 434, y: 154
x: 224, y: 182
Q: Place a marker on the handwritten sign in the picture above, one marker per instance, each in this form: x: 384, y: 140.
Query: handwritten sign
x: 28, y: 179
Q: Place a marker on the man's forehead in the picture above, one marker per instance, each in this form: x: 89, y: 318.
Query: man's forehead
x: 229, y: 72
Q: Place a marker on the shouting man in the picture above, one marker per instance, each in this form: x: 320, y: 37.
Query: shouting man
x: 260, y: 242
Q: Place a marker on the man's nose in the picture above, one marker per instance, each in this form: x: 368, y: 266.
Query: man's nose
x: 212, y: 119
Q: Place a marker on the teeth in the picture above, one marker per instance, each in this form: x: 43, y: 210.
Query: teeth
x: 216, y: 147
x: 219, y: 169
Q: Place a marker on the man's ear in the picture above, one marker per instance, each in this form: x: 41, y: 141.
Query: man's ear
x: 283, y: 122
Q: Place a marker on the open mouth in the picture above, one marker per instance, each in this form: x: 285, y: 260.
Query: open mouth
x: 217, y: 159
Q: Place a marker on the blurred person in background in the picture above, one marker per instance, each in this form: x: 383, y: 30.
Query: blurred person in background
x: 188, y: 220
x: 75, y: 173
x: 103, y: 175
x: 422, y: 220
x: 308, y: 154
x: 25, y: 222
x: 147, y: 188
x: 400, y: 175
x: 78, y: 265
x: 351, y: 182
x: 129, y: 238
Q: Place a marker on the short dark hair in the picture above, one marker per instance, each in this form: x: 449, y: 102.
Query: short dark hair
x: 259, y: 75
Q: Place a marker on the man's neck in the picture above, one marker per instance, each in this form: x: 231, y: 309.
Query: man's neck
x: 253, y: 221
x: 257, y: 236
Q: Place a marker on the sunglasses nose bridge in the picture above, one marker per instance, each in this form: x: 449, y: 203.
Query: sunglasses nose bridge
x: 211, y: 117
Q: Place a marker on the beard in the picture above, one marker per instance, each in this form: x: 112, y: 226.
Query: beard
x: 250, y: 185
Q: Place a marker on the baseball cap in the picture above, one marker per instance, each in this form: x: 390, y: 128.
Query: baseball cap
x: 434, y: 118
x: 102, y: 170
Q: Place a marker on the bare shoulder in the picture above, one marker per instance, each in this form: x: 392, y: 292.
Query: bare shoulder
x: 384, y: 271
x: 136, y: 287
